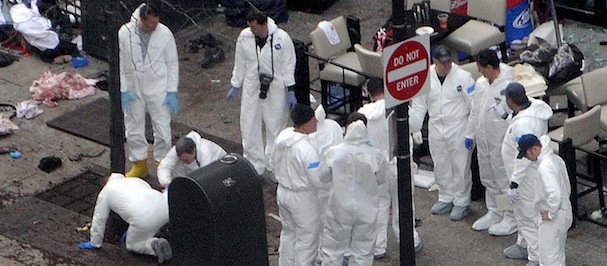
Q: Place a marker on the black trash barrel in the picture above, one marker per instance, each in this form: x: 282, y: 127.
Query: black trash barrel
x: 217, y: 215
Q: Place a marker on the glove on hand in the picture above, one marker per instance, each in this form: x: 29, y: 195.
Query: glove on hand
x: 498, y: 110
x: 86, y: 245
x: 417, y: 137
x: 125, y: 98
x: 232, y: 94
x: 469, y: 143
x: 292, y: 99
x: 513, y: 194
x: 171, y: 101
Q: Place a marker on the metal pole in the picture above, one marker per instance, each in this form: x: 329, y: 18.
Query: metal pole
x: 117, y: 156
x: 557, y: 30
x: 405, y: 199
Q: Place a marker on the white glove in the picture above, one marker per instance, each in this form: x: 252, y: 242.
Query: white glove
x: 498, y: 110
x: 513, y: 194
x: 417, y: 137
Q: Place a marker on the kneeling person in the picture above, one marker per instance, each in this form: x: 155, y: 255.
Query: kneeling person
x: 189, y: 154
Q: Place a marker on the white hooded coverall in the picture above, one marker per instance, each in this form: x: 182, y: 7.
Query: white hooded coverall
x: 296, y: 169
x: 206, y: 153
x: 448, y: 106
x: 552, y: 190
x: 356, y: 170
x: 147, y: 77
x: 277, y: 58
x: 377, y: 126
x: 328, y: 133
x: 531, y: 120
x: 35, y: 28
x: 145, y: 209
x: 488, y: 134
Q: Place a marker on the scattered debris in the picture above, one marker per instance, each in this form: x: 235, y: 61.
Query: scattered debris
x: 91, y: 154
x: 84, y: 228
x: 28, y: 109
x: 49, y: 164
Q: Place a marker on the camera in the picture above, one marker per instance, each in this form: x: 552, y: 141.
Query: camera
x: 265, y: 81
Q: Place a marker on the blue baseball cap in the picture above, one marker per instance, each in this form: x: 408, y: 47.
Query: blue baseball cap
x: 525, y: 142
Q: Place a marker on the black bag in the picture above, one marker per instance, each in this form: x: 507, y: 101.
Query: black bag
x: 6, y: 60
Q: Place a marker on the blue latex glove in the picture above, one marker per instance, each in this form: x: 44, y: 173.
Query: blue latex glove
x: 86, y: 245
x: 123, y: 238
x: 232, y: 94
x: 125, y: 98
x: 171, y: 101
x: 469, y: 143
x: 292, y: 99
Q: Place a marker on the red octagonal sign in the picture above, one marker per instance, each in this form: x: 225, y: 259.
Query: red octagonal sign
x: 406, y: 70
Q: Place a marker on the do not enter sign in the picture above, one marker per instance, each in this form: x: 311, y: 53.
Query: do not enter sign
x: 406, y: 67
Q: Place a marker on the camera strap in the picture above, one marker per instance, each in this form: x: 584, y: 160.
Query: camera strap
x: 271, y: 55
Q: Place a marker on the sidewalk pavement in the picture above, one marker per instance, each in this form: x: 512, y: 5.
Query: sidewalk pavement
x: 445, y: 242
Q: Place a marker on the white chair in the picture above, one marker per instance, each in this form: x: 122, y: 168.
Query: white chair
x: 582, y: 130
x: 370, y: 61
x: 473, y: 69
x: 476, y: 35
x: 338, y: 66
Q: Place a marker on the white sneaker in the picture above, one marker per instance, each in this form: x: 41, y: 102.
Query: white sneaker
x: 506, y: 227
x: 489, y: 219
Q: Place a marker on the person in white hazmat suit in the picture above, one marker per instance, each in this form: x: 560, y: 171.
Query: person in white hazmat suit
x: 378, y: 128
x: 264, y: 67
x: 145, y: 209
x: 552, y: 206
x: 448, y: 106
x: 530, y: 116
x: 328, y: 133
x: 149, y: 76
x: 488, y: 116
x: 356, y: 170
x: 296, y: 164
x: 189, y: 154
x: 37, y: 30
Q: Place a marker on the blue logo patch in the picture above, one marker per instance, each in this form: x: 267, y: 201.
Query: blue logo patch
x: 278, y: 46
x: 313, y: 165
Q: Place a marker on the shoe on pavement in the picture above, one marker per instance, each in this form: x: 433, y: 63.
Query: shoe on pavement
x: 516, y: 251
x: 441, y: 207
x: 459, y: 212
x: 506, y: 227
x: 139, y: 169
x: 163, y: 250
x: 379, y: 256
x: 489, y: 219
x: 533, y: 263
x: 418, y: 247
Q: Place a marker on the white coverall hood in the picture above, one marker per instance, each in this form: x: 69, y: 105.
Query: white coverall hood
x: 288, y: 138
x: 356, y: 133
x: 328, y: 132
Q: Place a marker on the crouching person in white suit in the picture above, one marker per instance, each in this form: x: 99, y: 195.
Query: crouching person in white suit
x: 145, y: 209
